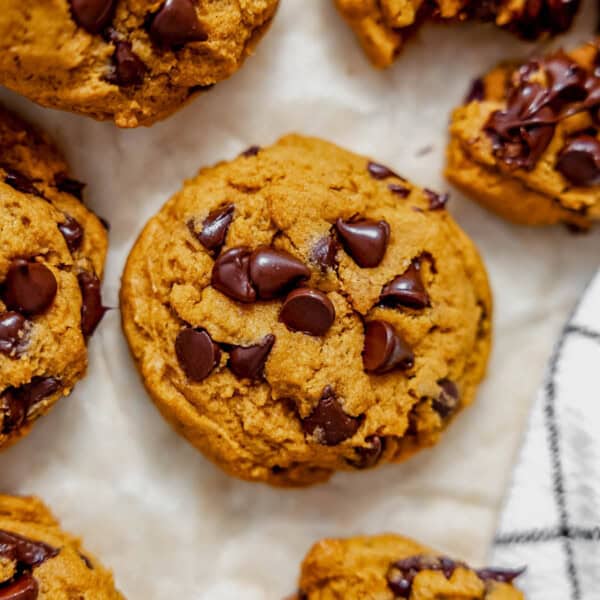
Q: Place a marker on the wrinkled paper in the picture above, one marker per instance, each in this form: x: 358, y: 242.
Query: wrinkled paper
x: 168, y: 522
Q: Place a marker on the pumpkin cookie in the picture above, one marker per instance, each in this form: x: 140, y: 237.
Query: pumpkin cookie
x: 302, y: 310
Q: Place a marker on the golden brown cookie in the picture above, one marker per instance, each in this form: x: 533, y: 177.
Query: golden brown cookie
x: 386, y: 567
x: 131, y: 61
x: 383, y: 26
x: 526, y: 143
x: 40, y: 561
x: 302, y: 310
x: 52, y: 251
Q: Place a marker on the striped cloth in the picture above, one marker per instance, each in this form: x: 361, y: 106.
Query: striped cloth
x: 551, y: 519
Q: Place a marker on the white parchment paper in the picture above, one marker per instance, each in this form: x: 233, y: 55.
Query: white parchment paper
x: 169, y: 523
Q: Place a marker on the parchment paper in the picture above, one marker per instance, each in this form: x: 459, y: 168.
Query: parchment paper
x: 169, y: 523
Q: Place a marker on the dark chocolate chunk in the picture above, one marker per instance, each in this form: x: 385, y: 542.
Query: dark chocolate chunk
x: 249, y: 361
x: 29, y: 287
x: 197, y: 354
x: 385, y: 350
x: 579, y: 160
x: 364, y: 240
x: 401, y: 574
x: 309, y: 311
x: 13, y: 326
x: 20, y: 182
x: 28, y: 553
x: 251, y: 151
x: 176, y: 23
x: 92, y: 309
x: 406, y: 290
x: 476, y: 91
x: 368, y: 456
x: 129, y: 69
x: 436, y: 201
x: 24, y: 587
x: 324, y: 253
x: 328, y: 422
x: 231, y: 274
x: 69, y: 186
x: 72, y: 231
x: 93, y: 15
x: 214, y: 228
x: 378, y: 171
x: 500, y: 575
x: 399, y: 190
x: 274, y: 272
x: 448, y: 400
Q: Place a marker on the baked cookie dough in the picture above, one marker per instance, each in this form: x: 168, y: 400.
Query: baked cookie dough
x: 383, y: 26
x: 131, y: 61
x: 39, y: 561
x: 302, y: 310
x: 52, y: 251
x: 386, y: 567
x: 526, y: 143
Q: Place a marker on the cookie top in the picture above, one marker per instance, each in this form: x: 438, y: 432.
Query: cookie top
x: 527, y: 143
x: 51, y: 260
x: 301, y: 310
x: 383, y: 27
x: 386, y: 567
x: 40, y: 561
x: 131, y: 61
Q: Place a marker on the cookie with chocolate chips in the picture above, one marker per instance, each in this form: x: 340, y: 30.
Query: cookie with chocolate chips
x: 39, y: 561
x: 293, y: 315
x: 383, y: 27
x: 131, y: 62
x: 527, y: 144
x: 51, y: 260
x: 389, y: 567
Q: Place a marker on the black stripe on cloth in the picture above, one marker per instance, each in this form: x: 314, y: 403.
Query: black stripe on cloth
x: 583, y: 331
x: 534, y: 536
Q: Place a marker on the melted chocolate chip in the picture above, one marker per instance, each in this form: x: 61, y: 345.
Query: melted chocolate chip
x: 384, y: 349
x: 69, y: 186
x: 72, y: 231
x: 324, y: 253
x: 20, y: 182
x: 448, y: 400
x: 176, y: 23
x: 436, y: 201
x: 308, y: 311
x: 274, y: 272
x: 406, y: 290
x: 476, y: 91
x: 93, y: 15
x: 29, y: 287
x: 500, y: 575
x: 364, y: 240
x: 378, y: 171
x: 25, y: 587
x: 197, y: 354
x: 368, y: 456
x: 249, y: 361
x: 214, y: 228
x: 231, y: 275
x: 129, y: 69
x: 92, y: 309
x: 251, y: 151
x: 579, y: 160
x: 328, y: 422
x: 399, y: 190
x: 401, y: 574
x: 13, y: 326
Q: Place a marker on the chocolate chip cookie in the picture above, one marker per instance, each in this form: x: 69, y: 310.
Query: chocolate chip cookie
x: 383, y: 26
x: 526, y: 143
x: 131, y: 61
x: 39, y: 560
x: 52, y: 251
x: 386, y: 567
x: 302, y: 310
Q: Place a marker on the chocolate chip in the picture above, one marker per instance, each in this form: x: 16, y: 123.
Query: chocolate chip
x: 29, y: 287
x: 93, y: 15
x: 500, y: 575
x: 129, y: 68
x: 252, y: 151
x: 399, y: 190
x: 28, y: 553
x: 579, y: 160
x: 328, y: 422
x: 274, y: 272
x: 72, y: 231
x: 378, y: 171
x: 364, y: 240
x: 436, y: 201
x: 214, y: 228
x: 12, y: 332
x: 231, y: 274
x: 476, y: 91
x: 86, y: 560
x: 20, y: 182
x: 309, y: 311
x: 249, y: 361
x: 176, y: 23
x: 384, y: 349
x: 406, y: 289
x: 402, y: 573
x: 369, y: 456
x: 448, y: 400
x: 69, y: 186
x: 197, y: 354
x: 25, y: 587
x: 324, y: 253
x: 15, y: 403
x: 92, y: 309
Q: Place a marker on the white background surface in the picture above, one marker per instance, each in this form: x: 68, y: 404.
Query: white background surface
x: 168, y: 522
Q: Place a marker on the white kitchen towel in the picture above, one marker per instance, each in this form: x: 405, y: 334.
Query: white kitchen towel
x: 551, y: 520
